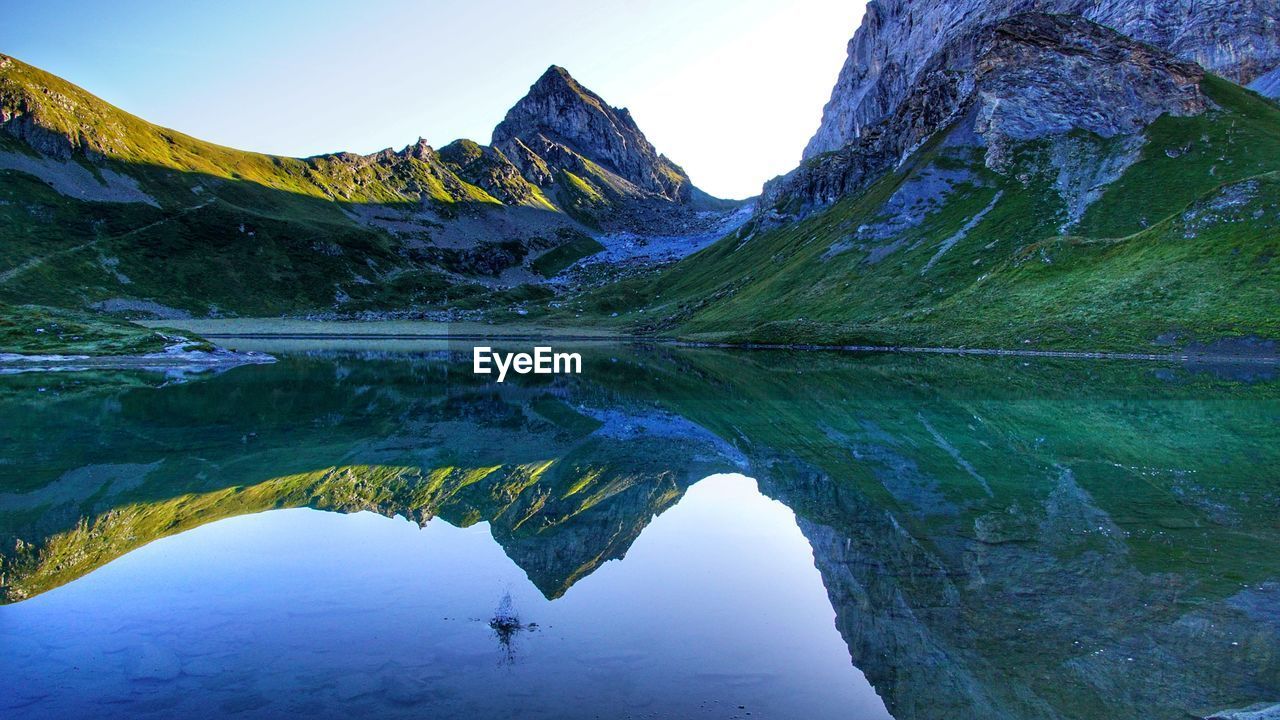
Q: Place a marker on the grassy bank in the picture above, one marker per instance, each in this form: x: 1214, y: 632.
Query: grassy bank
x: 35, y: 330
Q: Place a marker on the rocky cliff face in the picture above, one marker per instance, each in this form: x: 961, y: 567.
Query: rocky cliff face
x: 560, y: 123
x: 1029, y: 76
x: 889, y: 54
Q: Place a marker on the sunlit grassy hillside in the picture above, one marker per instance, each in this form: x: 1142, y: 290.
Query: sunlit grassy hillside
x: 1179, y: 249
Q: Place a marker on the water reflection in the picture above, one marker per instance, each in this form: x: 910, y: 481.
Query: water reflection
x: 996, y: 538
x: 295, y: 612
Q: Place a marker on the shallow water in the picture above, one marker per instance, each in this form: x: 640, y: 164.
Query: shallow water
x: 674, y: 533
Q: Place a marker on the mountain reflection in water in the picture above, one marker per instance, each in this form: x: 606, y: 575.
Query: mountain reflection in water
x: 997, y: 539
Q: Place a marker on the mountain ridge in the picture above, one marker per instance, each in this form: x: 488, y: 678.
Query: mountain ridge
x: 90, y: 195
x: 1038, y: 179
x: 80, y: 122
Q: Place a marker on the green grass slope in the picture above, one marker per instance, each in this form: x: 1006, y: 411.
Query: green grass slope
x: 34, y: 330
x: 53, y: 112
x: 1179, y: 249
x: 99, y: 206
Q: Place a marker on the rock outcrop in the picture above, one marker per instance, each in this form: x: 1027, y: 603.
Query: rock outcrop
x: 488, y: 168
x: 1238, y: 39
x: 1029, y: 76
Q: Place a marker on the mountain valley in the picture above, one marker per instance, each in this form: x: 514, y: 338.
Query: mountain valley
x: 1065, y: 174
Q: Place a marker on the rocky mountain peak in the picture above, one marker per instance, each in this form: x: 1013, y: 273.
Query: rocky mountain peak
x: 559, y: 105
x: 420, y: 150
x: 559, y: 118
x: 1039, y: 75
x: 555, y: 79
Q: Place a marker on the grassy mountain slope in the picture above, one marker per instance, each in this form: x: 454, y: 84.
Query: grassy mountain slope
x: 1180, y: 248
x: 59, y: 117
x: 99, y: 206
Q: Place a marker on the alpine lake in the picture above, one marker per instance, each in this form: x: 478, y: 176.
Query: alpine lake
x: 369, y: 529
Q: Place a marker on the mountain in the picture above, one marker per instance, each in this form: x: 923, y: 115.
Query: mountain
x: 1057, y: 174
x: 1236, y: 39
x: 564, y: 136
x: 1038, y: 181
x: 1024, y: 78
x: 102, y: 209
x: 595, y: 158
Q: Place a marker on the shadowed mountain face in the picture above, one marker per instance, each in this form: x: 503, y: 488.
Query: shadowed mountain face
x: 997, y: 539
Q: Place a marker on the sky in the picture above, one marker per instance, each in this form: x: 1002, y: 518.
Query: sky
x: 729, y: 89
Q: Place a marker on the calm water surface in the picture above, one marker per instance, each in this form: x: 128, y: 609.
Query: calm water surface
x: 672, y: 534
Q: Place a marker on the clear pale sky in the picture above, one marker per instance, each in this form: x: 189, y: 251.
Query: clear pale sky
x: 730, y: 89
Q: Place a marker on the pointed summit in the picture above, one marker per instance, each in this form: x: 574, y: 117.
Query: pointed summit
x: 559, y: 123
x: 555, y: 73
x: 557, y: 80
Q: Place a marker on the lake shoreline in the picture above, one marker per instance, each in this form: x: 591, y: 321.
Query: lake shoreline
x: 219, y: 359
x: 1183, y: 356
x: 1246, y: 350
